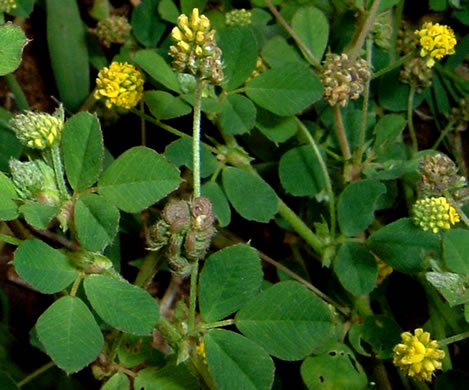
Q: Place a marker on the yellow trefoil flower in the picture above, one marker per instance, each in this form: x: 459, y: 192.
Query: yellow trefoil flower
x: 418, y: 356
x: 437, y: 41
x: 434, y: 213
x: 120, y: 84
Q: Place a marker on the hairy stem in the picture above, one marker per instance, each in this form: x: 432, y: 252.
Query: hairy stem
x: 340, y: 132
x: 196, y: 138
x: 410, y: 122
x: 36, y: 373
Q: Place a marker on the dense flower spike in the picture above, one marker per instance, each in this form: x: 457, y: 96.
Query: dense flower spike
x: 238, y: 17
x: 418, y: 356
x: 37, y: 130
x: 115, y: 29
x: 343, y: 79
x: 434, y: 214
x: 121, y: 84
x: 436, y: 41
x: 196, y: 51
x: 440, y: 174
x: 7, y: 5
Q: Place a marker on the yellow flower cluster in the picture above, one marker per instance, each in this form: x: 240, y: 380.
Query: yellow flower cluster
x: 437, y: 41
x: 435, y: 213
x: 37, y: 130
x: 238, y: 17
x: 196, y: 51
x: 120, y: 84
x: 418, y: 356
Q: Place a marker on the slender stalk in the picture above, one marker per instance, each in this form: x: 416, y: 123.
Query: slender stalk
x: 300, y: 227
x: 168, y: 128
x: 394, y: 65
x: 10, y: 240
x: 217, y: 324
x: 142, y: 126
x: 17, y: 91
x: 443, y: 134
x: 307, y: 284
x: 410, y: 122
x: 193, y: 295
x: 293, y: 34
x: 89, y: 102
x: 438, y: 330
x: 36, y: 373
x: 381, y: 375
x: 76, y: 284
x: 150, y: 267
x: 340, y: 132
x: 454, y: 339
x: 196, y: 138
x: 354, y: 52
x: 324, y: 170
x: 366, y: 96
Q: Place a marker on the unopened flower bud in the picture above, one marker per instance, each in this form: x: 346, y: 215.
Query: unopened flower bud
x: 434, y: 214
x: 417, y: 74
x: 37, y: 130
x: 238, y: 17
x: 7, y: 5
x: 115, y: 29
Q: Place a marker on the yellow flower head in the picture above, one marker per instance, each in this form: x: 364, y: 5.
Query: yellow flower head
x: 436, y: 41
x: 120, y: 84
x: 434, y: 214
x: 195, y: 50
x: 418, y: 356
x: 37, y: 130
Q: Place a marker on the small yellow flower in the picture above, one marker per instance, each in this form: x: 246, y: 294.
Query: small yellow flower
x: 434, y: 214
x: 437, y: 41
x: 418, y: 356
x: 120, y: 84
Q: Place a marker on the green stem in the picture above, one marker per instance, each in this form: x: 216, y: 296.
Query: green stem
x: 169, y: 332
x: 381, y: 375
x: 354, y: 52
x: 36, y: 373
x: 143, y: 132
x: 293, y: 34
x: 410, y: 122
x: 217, y: 324
x: 443, y: 134
x: 193, y: 294
x: 438, y: 330
x: 76, y: 284
x: 394, y: 65
x: 340, y: 132
x: 366, y: 96
x: 196, y: 138
x: 300, y: 227
x: 324, y: 170
x: 89, y: 102
x: 17, y: 91
x: 10, y: 240
x: 150, y: 267
x: 453, y: 339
